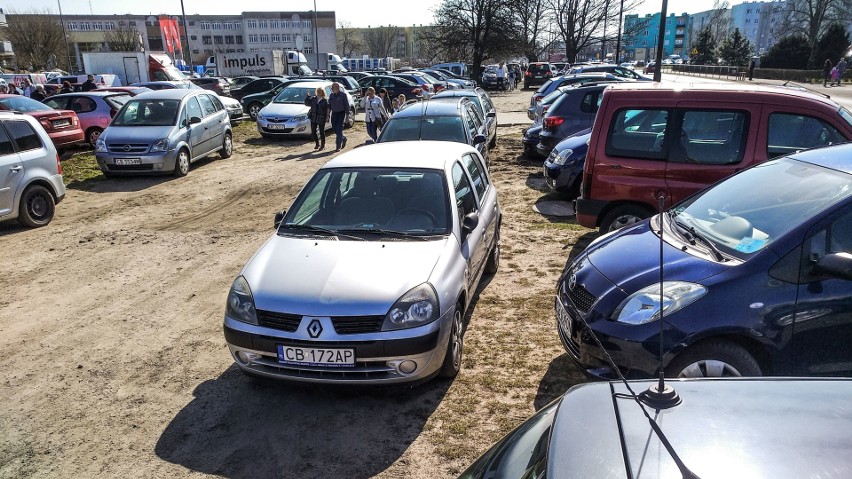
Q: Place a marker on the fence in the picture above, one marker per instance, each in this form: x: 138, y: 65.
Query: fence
x: 729, y: 72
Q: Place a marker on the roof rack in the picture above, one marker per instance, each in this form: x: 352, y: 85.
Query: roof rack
x: 791, y: 84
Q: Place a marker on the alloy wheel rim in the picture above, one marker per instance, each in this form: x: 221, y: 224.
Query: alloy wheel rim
x: 93, y: 137
x: 183, y: 160
x: 623, y: 221
x: 38, y: 206
x: 709, y: 368
x: 253, y: 111
x: 229, y: 144
x: 457, y: 339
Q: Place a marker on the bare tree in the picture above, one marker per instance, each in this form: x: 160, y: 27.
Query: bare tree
x: 36, y: 36
x: 125, y: 38
x: 380, y: 41
x: 347, y: 39
x: 531, y: 16
x: 580, y: 23
x: 474, y: 30
x: 812, y: 18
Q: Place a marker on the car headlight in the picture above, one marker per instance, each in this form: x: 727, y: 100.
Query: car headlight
x: 161, y: 145
x: 240, y: 302
x: 299, y: 118
x: 100, y: 146
x: 643, y: 306
x: 417, y: 307
x: 562, y: 156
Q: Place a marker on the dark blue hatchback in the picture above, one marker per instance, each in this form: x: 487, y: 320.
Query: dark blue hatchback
x: 757, y: 273
x: 563, y: 168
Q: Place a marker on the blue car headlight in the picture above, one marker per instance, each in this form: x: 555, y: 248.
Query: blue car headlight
x: 643, y: 306
x: 562, y: 156
x: 161, y: 145
x: 241, y: 302
x: 417, y: 307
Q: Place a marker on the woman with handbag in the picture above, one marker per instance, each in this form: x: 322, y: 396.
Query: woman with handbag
x: 318, y: 115
x: 374, y: 113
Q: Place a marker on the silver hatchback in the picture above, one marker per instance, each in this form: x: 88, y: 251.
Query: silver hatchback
x: 368, y: 276
x: 163, y: 132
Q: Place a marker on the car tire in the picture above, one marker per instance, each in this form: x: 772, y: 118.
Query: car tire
x: 92, y: 135
x: 350, y: 119
x: 493, y: 262
x: 37, y: 207
x: 622, y: 216
x: 227, y: 147
x: 452, y: 359
x: 253, y: 109
x: 714, y: 359
x: 182, y: 163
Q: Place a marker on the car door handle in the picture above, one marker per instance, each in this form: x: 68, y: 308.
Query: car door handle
x: 16, y: 169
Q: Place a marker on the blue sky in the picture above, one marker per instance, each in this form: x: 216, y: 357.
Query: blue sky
x: 357, y: 12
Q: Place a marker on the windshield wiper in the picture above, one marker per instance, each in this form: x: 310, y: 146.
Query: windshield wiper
x: 379, y: 231
x: 316, y: 229
x: 691, y: 235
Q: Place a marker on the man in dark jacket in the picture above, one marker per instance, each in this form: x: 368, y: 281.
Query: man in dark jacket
x: 89, y: 84
x: 338, y: 102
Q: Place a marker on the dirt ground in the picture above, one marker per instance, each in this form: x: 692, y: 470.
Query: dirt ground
x: 114, y: 363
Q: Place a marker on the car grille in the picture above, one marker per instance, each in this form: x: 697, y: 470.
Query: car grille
x: 357, y: 324
x: 581, y: 298
x: 128, y: 147
x: 142, y: 167
x: 278, y: 119
x: 281, y: 321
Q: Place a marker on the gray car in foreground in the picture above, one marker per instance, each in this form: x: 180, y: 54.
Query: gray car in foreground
x: 369, y: 274
x: 163, y: 132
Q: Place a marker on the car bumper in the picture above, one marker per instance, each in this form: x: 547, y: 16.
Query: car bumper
x: 546, y: 144
x: 559, y: 177
x: 588, y: 211
x: 236, y: 114
x: 67, y: 137
x: 531, y: 81
x: 530, y: 142
x: 148, y: 163
x: 379, y: 357
x: 288, y: 128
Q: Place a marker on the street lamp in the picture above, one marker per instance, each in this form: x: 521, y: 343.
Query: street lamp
x: 65, y: 37
x: 658, y: 76
x: 185, y: 37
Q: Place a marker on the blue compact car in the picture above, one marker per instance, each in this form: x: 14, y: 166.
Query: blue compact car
x: 757, y: 272
x: 563, y: 168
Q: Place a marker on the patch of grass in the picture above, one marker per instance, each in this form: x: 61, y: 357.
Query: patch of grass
x: 81, y: 171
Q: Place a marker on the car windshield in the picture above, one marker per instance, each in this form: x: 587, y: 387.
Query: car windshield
x: 541, y: 68
x: 23, y: 104
x: 746, y: 212
x: 147, y: 113
x: 371, y: 201
x: 445, y: 128
x: 117, y: 101
x: 294, y: 95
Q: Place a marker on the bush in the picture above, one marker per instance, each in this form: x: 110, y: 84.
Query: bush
x: 789, y: 53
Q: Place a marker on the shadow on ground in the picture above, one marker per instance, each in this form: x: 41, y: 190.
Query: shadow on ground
x: 561, y: 375
x: 240, y: 427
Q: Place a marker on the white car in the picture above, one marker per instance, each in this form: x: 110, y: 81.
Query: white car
x: 287, y: 114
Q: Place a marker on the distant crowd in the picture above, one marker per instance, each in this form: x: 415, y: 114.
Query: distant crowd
x: 39, y: 92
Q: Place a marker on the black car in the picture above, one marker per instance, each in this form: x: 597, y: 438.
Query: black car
x: 572, y: 112
x: 357, y: 76
x: 258, y: 86
x: 446, y: 120
x: 731, y: 428
x: 539, y: 72
x: 483, y: 102
x: 239, y: 82
x: 394, y: 85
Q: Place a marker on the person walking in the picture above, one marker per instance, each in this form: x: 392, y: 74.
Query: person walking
x: 338, y: 103
x: 826, y: 72
x: 318, y: 115
x: 841, y: 68
x: 501, y: 77
x: 89, y: 84
x: 386, y: 101
x: 751, y: 69
x: 66, y: 87
x: 374, y: 113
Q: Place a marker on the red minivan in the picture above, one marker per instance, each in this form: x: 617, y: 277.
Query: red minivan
x: 651, y: 139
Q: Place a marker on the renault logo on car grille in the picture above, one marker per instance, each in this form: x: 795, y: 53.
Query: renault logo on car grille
x: 315, y: 328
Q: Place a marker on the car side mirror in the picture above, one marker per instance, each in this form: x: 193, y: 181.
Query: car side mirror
x: 469, y: 223
x: 279, y: 217
x: 478, y: 139
x: 491, y: 114
x: 837, y: 265
x: 194, y: 120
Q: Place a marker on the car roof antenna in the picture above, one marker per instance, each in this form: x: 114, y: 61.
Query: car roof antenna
x: 660, y: 396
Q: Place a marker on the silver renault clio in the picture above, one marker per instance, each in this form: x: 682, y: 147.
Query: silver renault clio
x: 368, y: 276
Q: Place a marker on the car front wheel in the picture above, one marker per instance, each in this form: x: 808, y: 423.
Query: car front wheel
x: 623, y: 216
x: 452, y: 360
x: 182, y: 163
x: 714, y: 359
x: 227, y: 147
x: 254, y: 109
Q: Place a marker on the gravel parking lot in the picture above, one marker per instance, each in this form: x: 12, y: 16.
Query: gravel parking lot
x: 114, y: 362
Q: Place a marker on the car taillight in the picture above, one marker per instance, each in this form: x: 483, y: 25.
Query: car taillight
x: 548, y: 73
x: 58, y: 164
x: 553, y: 121
x: 416, y: 91
x: 527, y: 74
x: 537, y: 98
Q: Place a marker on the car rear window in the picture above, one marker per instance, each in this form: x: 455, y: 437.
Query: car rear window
x: 792, y: 132
x: 117, y: 101
x: 5, y: 143
x: 445, y: 128
x: 539, y: 68
x: 543, y: 88
x: 25, y: 137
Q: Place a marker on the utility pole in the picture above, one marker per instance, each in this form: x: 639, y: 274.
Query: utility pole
x: 618, y: 41
x: 186, y: 38
x: 316, y: 32
x: 64, y: 37
x: 658, y: 74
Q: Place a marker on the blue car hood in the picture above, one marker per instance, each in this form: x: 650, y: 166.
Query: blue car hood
x: 577, y: 141
x: 630, y: 259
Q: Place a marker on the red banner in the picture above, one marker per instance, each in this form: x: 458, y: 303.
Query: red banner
x: 171, y: 34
